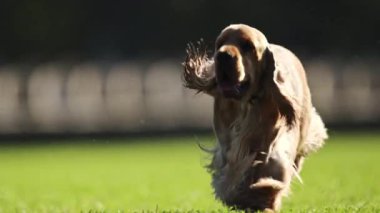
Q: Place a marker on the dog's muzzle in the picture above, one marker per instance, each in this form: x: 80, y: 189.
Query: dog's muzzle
x: 230, y: 74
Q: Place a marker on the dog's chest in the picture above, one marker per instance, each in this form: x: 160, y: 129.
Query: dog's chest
x: 225, y: 113
x: 231, y: 120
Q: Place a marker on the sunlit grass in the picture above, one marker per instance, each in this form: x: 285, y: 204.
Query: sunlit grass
x: 167, y: 174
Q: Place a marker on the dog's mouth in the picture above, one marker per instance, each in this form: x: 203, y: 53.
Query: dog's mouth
x: 233, y: 90
x: 230, y: 74
x: 228, y: 82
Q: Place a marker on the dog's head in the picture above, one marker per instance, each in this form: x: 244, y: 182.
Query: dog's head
x: 239, y: 53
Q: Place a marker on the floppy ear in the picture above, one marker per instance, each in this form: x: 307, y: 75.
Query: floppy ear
x: 280, y: 86
x: 261, y: 45
x: 199, y: 71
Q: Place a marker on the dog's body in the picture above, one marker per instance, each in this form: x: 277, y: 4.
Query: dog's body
x: 263, y: 116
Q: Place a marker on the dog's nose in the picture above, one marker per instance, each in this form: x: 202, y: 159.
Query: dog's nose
x: 227, y: 53
x: 224, y: 56
x: 225, y: 65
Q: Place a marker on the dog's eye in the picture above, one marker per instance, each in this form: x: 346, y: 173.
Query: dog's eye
x: 247, y: 46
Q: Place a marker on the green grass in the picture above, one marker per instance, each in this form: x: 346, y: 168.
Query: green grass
x: 167, y: 174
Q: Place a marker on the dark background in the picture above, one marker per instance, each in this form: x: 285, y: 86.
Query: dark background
x: 43, y: 30
x: 96, y: 66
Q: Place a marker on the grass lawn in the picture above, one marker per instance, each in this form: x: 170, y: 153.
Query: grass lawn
x: 167, y: 174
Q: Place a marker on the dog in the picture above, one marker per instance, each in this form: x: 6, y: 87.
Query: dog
x: 264, y: 120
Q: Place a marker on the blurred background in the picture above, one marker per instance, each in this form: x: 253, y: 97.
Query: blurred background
x: 99, y: 67
x: 94, y: 89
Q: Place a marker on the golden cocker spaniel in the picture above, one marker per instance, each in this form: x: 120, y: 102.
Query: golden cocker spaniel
x: 264, y: 119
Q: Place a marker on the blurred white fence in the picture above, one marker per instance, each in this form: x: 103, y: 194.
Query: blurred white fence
x: 138, y: 97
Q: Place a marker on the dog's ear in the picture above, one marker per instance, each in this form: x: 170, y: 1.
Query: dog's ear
x: 261, y: 46
x: 279, y: 83
x: 199, y: 71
